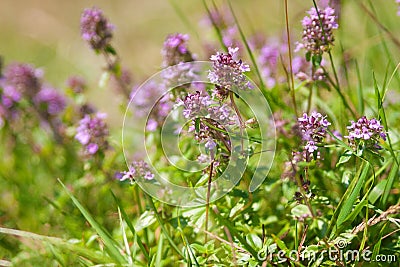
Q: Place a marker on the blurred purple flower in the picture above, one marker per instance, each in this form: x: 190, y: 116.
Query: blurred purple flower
x: 92, y: 133
x: 95, y: 28
x: 22, y: 78
x: 151, y: 102
x: 268, y: 59
x: 175, y: 50
x: 313, y: 129
x: 317, y: 39
x: 368, y: 131
x: 76, y: 84
x: 50, y: 101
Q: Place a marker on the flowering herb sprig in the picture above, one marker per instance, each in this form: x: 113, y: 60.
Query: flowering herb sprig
x: 228, y: 72
x: 366, y: 133
x: 137, y: 170
x: 313, y: 130
x: 92, y: 133
x: 318, y: 29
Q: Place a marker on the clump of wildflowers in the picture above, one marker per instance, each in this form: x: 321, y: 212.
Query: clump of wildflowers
x: 175, y: 50
x: 50, y: 102
x: 228, y: 72
x: 313, y: 129
x: 318, y: 30
x: 92, y: 133
x: 365, y: 131
x: 96, y: 29
x: 137, y: 169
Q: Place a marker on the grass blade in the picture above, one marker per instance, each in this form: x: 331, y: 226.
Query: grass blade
x: 344, y: 208
x: 164, y: 230
x: 131, y: 228
x: 60, y: 243
x: 110, y: 244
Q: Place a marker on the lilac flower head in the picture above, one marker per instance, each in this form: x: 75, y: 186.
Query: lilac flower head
x: 195, y: 105
x: 207, y: 116
x: 317, y: 39
x: 313, y: 129
x: 269, y: 58
x: 50, y: 101
x: 22, y: 78
x: 175, y: 49
x: 228, y: 72
x: 95, y: 28
x: 368, y: 131
x: 92, y: 133
x: 137, y: 169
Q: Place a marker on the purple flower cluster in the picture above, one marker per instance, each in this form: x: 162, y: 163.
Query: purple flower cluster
x: 313, y: 129
x: 92, y: 133
x: 24, y: 81
x: 228, y: 72
x: 50, y: 101
x: 151, y: 101
x: 175, y: 49
x: 137, y: 169
x: 210, y: 116
x: 269, y: 57
x: 95, y: 28
x: 368, y: 131
x: 318, y: 30
x: 22, y: 78
x: 195, y: 105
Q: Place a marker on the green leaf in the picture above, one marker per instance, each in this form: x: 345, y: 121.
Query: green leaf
x: 197, y: 125
x: 254, y: 241
x: 377, y: 191
x: 345, y: 157
x: 355, y: 191
x: 394, y: 173
x: 111, y: 50
x: 300, y: 210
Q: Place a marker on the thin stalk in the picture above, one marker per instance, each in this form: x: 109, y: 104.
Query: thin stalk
x: 208, y: 199
x: 291, y: 83
x: 337, y: 83
x: 242, y: 125
x: 309, y: 100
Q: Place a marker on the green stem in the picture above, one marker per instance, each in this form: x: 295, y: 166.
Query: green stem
x: 291, y: 83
